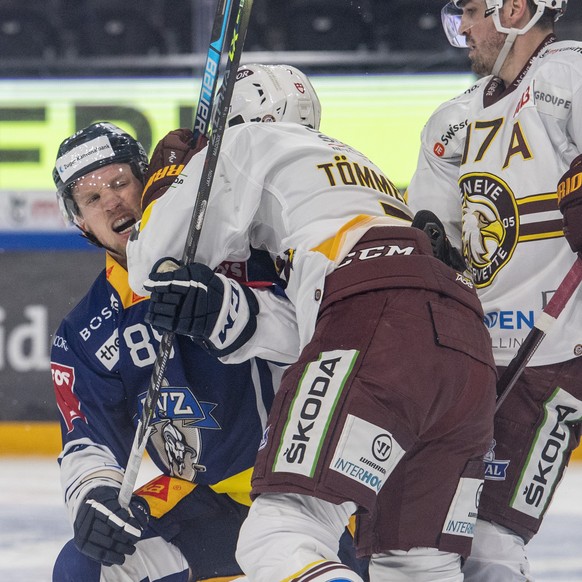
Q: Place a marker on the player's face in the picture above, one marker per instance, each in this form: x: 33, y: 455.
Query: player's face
x: 109, y: 205
x: 483, y: 39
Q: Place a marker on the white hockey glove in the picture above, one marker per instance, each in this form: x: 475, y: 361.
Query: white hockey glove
x: 193, y: 300
x: 105, y: 531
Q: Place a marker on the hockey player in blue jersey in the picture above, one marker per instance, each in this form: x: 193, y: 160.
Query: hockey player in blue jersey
x: 184, y: 524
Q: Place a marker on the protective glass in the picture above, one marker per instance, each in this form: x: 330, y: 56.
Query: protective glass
x: 451, y: 17
x: 90, y: 191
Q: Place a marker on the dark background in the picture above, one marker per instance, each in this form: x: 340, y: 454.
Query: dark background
x: 40, y: 283
x: 169, y: 37
x: 37, y: 289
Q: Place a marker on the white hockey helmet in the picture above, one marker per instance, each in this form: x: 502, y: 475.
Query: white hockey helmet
x: 264, y: 93
x: 452, y: 12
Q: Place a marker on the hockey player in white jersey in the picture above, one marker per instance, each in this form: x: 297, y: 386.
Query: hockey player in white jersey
x: 489, y: 166
x: 388, y: 410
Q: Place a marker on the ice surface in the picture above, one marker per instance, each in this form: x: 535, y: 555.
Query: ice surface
x: 34, y: 526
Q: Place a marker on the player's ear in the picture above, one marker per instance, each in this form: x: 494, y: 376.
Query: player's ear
x: 517, y: 11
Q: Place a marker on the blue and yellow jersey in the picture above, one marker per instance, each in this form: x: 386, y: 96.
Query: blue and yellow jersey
x: 209, y: 418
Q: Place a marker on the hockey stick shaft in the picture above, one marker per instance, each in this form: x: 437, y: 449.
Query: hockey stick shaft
x: 208, y: 171
x: 223, y: 24
x: 538, y: 332
x: 193, y: 236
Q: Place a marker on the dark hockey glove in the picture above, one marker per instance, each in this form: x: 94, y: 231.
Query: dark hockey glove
x: 570, y: 203
x: 442, y: 248
x: 170, y: 156
x: 105, y: 531
x: 193, y: 300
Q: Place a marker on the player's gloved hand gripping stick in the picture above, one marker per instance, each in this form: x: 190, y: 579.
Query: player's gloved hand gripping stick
x: 215, y: 311
x: 226, y: 20
x: 104, y: 530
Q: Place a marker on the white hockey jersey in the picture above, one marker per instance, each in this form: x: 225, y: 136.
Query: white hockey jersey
x: 290, y: 190
x: 489, y: 168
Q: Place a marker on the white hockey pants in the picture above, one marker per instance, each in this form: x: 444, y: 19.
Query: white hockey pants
x: 497, y: 555
x: 287, y: 535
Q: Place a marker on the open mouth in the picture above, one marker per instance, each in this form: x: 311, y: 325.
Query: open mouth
x: 123, y: 225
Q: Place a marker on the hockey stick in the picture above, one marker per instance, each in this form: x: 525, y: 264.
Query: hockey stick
x: 144, y: 426
x: 537, y: 333
x: 224, y: 22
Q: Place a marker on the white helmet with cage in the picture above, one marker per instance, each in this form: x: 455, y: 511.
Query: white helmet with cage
x: 452, y: 12
x: 264, y: 93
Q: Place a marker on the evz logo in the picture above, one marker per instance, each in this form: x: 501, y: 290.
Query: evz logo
x: 177, y: 429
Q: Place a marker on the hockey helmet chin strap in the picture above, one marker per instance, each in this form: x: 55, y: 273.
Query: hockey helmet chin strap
x: 451, y: 16
x: 512, y: 33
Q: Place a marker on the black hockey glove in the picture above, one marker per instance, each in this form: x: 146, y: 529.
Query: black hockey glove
x: 441, y: 246
x: 193, y: 300
x: 168, y: 159
x: 570, y: 203
x: 105, y: 531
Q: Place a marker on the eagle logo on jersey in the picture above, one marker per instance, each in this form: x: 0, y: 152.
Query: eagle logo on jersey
x: 483, y: 231
x: 495, y: 221
x: 490, y: 225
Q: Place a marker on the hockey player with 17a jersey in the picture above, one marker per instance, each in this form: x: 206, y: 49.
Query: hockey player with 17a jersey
x: 490, y: 164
